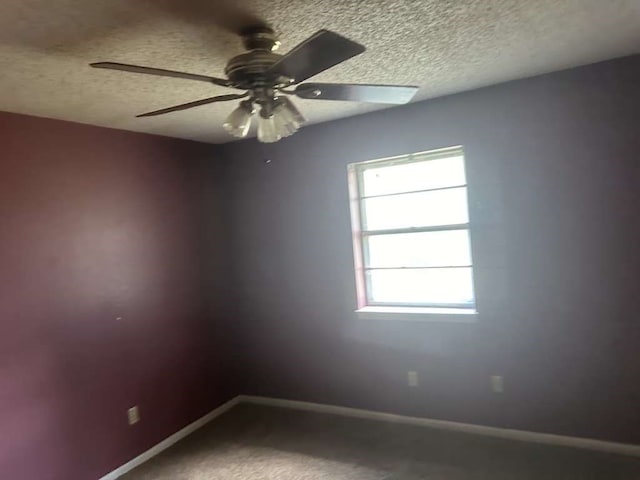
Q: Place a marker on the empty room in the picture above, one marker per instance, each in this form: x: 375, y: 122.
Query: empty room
x: 328, y: 240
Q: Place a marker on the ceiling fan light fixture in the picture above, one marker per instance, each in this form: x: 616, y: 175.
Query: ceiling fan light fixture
x: 239, y: 121
x: 265, y: 77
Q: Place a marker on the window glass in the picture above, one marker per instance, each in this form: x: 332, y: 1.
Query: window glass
x: 423, y: 209
x: 421, y: 286
x: 413, y: 176
x: 425, y: 249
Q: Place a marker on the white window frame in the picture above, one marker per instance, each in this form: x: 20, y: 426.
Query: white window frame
x: 375, y: 310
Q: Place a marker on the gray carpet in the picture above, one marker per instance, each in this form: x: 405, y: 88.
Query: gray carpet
x: 263, y: 443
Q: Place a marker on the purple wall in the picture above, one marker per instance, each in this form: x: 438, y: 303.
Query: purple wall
x: 554, y: 189
x: 97, y: 224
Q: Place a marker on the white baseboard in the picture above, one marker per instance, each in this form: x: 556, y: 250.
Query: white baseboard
x: 167, y: 442
x: 509, y: 434
x: 519, y: 435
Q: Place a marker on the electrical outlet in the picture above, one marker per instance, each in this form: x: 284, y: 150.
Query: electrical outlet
x: 412, y: 379
x: 497, y: 383
x: 133, y: 414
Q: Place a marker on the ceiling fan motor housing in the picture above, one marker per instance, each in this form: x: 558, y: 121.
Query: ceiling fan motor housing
x: 249, y: 70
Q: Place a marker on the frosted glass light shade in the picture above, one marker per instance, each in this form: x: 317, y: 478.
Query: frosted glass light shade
x: 239, y: 121
x: 284, y: 126
x: 267, y: 130
x: 288, y: 108
x: 286, y: 117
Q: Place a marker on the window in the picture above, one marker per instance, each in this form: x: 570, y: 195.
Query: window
x: 411, y: 234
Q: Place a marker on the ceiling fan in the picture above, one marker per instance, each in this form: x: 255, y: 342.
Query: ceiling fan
x: 268, y: 79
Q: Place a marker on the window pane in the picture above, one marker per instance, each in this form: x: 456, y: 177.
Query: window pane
x: 423, y: 209
x: 421, y: 286
x: 425, y: 249
x: 413, y: 176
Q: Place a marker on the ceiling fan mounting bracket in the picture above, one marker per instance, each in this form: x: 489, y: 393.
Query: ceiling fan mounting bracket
x: 260, y: 38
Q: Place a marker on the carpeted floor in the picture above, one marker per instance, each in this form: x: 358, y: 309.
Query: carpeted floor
x: 253, y: 442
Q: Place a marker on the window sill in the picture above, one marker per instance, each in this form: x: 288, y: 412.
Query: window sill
x: 454, y: 315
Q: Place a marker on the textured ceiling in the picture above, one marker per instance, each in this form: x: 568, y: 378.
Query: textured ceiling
x: 443, y: 46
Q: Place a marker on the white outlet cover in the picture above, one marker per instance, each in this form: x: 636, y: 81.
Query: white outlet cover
x: 412, y: 378
x: 133, y: 414
x: 497, y: 383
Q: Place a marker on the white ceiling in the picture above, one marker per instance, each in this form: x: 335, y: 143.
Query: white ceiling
x: 443, y: 46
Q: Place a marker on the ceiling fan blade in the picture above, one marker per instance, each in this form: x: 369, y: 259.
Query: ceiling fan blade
x: 197, y: 103
x: 160, y: 71
x: 321, y: 51
x: 356, y: 93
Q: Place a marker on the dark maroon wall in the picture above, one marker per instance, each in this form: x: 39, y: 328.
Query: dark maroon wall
x: 97, y: 224
x: 554, y: 188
